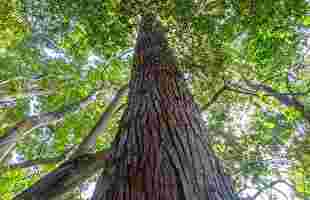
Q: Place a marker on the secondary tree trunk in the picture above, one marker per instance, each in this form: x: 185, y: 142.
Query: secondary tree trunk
x: 162, y: 139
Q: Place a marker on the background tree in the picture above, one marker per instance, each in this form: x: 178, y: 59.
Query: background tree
x: 246, y: 63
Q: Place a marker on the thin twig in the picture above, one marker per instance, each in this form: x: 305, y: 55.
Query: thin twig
x: 214, y: 98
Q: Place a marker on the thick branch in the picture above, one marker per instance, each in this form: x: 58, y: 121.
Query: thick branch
x: 7, y: 103
x: 65, y: 177
x: 88, y: 143
x: 10, y: 100
x: 4, y: 82
x: 285, y: 99
x: 31, y: 163
x: 24, y: 127
x: 25, y: 94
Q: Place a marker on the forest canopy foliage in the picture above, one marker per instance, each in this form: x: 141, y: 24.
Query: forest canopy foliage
x: 246, y: 62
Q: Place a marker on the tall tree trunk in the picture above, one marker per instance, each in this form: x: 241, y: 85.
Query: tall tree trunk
x: 162, y: 139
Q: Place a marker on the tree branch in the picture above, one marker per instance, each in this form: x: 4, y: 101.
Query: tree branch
x: 287, y: 99
x: 7, y: 103
x: 241, y: 91
x: 26, y: 94
x: 65, y: 177
x: 89, y: 141
x: 4, y: 82
x: 24, y: 127
x: 31, y: 163
x: 72, y: 173
x: 214, y: 98
x: 270, y: 186
x: 10, y: 100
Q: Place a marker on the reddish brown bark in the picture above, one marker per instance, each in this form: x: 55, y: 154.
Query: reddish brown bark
x: 162, y: 136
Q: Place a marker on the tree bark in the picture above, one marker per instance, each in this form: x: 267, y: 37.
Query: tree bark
x: 162, y: 139
x: 65, y: 177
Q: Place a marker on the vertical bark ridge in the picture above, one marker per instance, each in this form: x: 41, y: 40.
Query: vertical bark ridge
x: 163, y: 138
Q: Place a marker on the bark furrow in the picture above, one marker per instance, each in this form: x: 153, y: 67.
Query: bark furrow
x: 162, y: 134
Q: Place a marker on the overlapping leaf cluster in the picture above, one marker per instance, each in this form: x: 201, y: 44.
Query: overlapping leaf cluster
x: 55, y: 53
